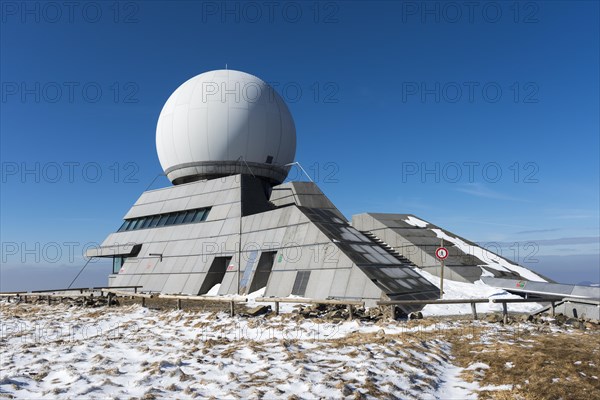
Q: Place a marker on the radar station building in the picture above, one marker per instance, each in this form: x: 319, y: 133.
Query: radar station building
x: 230, y: 225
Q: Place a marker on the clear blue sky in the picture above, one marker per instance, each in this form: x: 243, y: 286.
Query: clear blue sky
x: 380, y: 93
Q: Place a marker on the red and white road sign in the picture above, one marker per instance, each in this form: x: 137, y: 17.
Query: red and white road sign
x: 441, y: 253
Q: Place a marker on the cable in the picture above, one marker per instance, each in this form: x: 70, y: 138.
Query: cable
x: 90, y: 259
x: 154, y: 180
x: 74, y: 279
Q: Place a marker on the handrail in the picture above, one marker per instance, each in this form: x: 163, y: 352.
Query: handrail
x: 223, y: 299
x: 472, y: 302
x: 300, y: 300
x: 420, y: 302
x: 80, y: 289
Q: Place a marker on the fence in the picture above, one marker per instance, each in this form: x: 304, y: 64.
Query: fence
x: 472, y: 302
x: 114, y: 291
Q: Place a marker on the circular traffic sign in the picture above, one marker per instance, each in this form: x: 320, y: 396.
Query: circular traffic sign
x: 441, y: 253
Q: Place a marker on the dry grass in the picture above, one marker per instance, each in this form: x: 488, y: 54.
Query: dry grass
x: 538, y: 363
x: 562, y: 365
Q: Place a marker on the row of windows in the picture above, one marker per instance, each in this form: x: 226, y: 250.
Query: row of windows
x: 174, y: 218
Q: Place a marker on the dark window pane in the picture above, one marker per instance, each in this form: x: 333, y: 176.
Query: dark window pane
x: 205, y: 215
x: 163, y: 220
x: 189, y: 216
x: 171, y: 218
x: 300, y: 283
x: 146, y: 222
x: 124, y: 226
x: 198, y: 216
x: 180, y: 217
x: 140, y: 223
x: 154, y: 221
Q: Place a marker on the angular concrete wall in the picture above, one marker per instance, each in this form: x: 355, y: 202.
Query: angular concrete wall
x: 417, y: 240
x: 315, y: 252
x: 305, y: 194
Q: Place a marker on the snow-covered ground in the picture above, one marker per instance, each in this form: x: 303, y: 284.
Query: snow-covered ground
x: 477, y: 290
x: 131, y: 351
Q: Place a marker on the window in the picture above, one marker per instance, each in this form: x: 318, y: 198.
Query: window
x: 199, y: 216
x: 159, y: 220
x: 135, y: 224
x: 189, y: 216
x: 125, y: 225
x: 300, y: 283
x: 180, y: 217
x: 154, y: 221
x: 117, y: 264
x: 163, y: 220
x: 146, y: 223
x: 171, y: 219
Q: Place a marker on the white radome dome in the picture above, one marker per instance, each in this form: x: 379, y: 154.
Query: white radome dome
x: 225, y: 122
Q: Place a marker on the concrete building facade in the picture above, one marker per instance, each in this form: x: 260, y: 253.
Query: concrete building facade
x: 293, y: 242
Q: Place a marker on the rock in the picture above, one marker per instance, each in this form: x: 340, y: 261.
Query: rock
x: 560, y: 319
x: 260, y: 310
x: 336, y: 314
x: 493, y: 318
x: 415, y: 315
x: 318, y: 307
x: 359, y: 396
x: 572, y: 321
x: 376, y: 313
x: 525, y: 318
x: 590, y: 325
x: 346, y: 390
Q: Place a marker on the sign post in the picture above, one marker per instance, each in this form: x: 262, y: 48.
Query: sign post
x: 441, y: 253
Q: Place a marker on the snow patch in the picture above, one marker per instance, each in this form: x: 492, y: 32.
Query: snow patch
x: 414, y: 221
x: 214, y: 290
x: 477, y: 365
x: 492, y: 260
x: 477, y: 290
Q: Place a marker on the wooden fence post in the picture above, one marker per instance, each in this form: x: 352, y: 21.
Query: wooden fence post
x: 474, y: 310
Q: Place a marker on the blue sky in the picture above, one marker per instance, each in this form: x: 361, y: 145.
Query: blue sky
x: 482, y: 119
